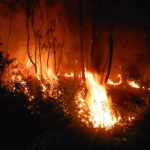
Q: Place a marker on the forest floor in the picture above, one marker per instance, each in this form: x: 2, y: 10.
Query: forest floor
x: 45, y: 127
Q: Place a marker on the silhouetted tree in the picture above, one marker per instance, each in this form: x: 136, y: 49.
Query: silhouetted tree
x: 80, y: 7
x: 5, y: 61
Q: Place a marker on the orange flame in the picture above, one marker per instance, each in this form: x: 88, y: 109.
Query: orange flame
x: 112, y: 83
x: 133, y: 84
x: 100, y: 105
x: 28, y: 64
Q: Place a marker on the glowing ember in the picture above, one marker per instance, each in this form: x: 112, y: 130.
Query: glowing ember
x: 133, y: 84
x: 69, y: 75
x: 112, y: 83
x: 100, y: 105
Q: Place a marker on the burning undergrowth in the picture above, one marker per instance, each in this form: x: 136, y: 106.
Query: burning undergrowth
x: 88, y: 105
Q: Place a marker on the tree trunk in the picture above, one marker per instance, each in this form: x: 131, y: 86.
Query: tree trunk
x: 142, y: 80
x: 35, y: 38
x: 28, y: 33
x: 111, y: 55
x: 61, y: 50
x: 93, y: 34
x: 28, y: 40
x: 48, y: 38
x: 11, y: 19
x: 110, y: 40
x: 81, y: 38
x: 39, y: 40
x: 105, y: 67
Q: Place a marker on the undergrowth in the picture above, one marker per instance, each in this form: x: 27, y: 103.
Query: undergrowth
x: 50, y: 121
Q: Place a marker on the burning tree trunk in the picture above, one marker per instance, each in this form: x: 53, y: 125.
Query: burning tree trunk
x: 81, y: 37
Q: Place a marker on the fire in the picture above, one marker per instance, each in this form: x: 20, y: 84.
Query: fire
x: 100, y: 105
x: 101, y: 109
x: 49, y: 82
x: 133, y: 84
x: 71, y: 75
x: 28, y: 64
x: 112, y: 83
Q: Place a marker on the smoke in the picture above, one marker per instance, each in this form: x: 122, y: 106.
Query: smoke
x: 130, y: 48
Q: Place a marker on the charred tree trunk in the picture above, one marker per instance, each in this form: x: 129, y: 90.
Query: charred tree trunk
x: 28, y: 39
x: 61, y: 50
x: 39, y: 41
x: 54, y: 52
x: 93, y: 34
x: 35, y: 38
x: 39, y: 38
x: 87, y: 58
x: 28, y: 33
x: 105, y: 67
x: 48, y: 37
x: 142, y: 80
x: 81, y: 37
x: 110, y: 40
x: 54, y: 49
x: 110, y: 54
x: 10, y: 27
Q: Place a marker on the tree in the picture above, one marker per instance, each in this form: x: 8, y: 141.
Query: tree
x: 110, y: 40
x: 4, y: 63
x: 93, y: 33
x: 81, y: 37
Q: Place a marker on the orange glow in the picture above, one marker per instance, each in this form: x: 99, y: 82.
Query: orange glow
x: 69, y: 75
x: 133, y: 84
x: 100, y: 105
x: 47, y: 73
x: 112, y: 83
x: 28, y: 63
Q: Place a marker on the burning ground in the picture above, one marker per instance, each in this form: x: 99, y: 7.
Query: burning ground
x: 63, y: 112
x: 80, y: 77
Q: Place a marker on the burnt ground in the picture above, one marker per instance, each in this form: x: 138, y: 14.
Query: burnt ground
x: 49, y: 129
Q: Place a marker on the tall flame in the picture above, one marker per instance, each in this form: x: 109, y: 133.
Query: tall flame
x: 100, y: 105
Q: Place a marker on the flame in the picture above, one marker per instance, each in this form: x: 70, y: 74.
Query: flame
x: 69, y: 75
x: 101, y: 109
x: 28, y: 64
x: 49, y: 84
x: 112, y: 83
x: 133, y: 84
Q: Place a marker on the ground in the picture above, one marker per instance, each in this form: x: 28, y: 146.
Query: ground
x: 22, y: 129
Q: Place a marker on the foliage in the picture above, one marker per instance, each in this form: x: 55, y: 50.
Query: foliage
x: 5, y: 62
x: 49, y: 123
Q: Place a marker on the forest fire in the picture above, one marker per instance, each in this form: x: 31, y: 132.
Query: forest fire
x: 96, y: 108
x: 118, y: 83
x: 100, y: 105
x: 133, y: 84
x: 48, y: 83
x: 101, y: 110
